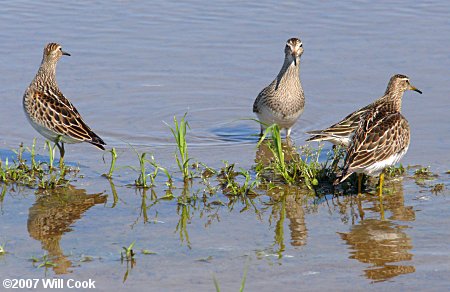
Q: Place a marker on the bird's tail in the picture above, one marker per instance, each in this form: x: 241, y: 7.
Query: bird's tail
x: 97, y: 141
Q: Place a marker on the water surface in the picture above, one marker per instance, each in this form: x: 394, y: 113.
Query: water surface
x: 135, y: 65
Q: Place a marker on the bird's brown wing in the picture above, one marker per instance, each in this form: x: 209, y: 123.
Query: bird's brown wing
x: 54, y: 111
x: 379, y: 136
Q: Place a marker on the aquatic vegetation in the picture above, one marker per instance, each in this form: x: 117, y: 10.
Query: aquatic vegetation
x: 394, y: 171
x: 423, y: 172
x: 2, y: 249
x: 230, y: 186
x: 293, y: 165
x: 41, y: 175
x: 179, y: 133
x: 128, y: 253
x: 112, y: 166
x: 148, y: 252
x: 277, y: 150
x: 51, y: 153
x: 438, y: 188
x: 142, y: 179
x: 145, y: 179
x: 44, y: 261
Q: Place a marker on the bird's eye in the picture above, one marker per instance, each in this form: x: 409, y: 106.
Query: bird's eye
x: 301, y: 45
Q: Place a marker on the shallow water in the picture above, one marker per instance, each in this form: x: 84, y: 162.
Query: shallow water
x: 134, y: 66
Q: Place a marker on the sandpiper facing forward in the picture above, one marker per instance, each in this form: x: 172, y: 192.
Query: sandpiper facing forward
x: 282, y: 101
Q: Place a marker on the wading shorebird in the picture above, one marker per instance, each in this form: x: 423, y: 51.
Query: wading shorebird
x: 49, y: 112
x: 340, y: 134
x: 282, y: 101
x: 381, y: 138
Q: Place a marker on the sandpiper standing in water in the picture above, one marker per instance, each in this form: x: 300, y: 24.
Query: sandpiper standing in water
x: 340, y: 134
x: 382, y: 136
x: 283, y: 101
x: 49, y: 112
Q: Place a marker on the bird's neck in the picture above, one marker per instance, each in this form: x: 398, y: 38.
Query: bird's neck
x: 394, y: 99
x: 46, y: 75
x: 289, y: 73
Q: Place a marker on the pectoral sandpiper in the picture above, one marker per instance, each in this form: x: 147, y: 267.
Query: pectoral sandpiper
x: 49, y: 112
x: 341, y: 132
x: 381, y: 137
x: 283, y: 101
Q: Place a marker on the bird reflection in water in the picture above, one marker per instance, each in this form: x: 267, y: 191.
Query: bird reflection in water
x: 382, y: 242
x: 51, y: 216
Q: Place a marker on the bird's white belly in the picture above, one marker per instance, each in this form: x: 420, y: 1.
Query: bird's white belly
x: 378, y: 167
x: 49, y: 134
x: 268, y: 117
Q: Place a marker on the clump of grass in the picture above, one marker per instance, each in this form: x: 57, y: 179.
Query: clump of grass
x: 309, y: 167
x: 142, y: 180
x: 145, y: 179
x: 394, y: 171
x: 182, y: 157
x: 277, y: 149
x: 423, y: 172
x: 301, y: 167
x: 37, y: 175
x: 2, y: 249
x: 230, y: 186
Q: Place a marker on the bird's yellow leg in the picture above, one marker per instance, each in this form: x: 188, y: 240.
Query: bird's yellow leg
x: 380, y: 185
